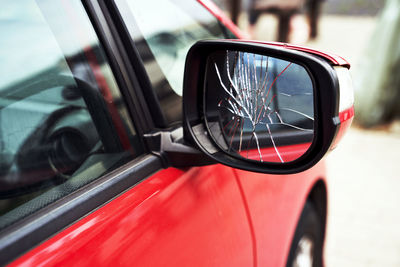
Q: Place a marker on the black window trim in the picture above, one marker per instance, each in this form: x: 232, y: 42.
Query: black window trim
x: 115, y: 20
x: 118, y: 58
x: 38, y: 227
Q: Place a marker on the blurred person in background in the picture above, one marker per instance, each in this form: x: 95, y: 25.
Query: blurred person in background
x: 286, y: 10
x: 313, y: 8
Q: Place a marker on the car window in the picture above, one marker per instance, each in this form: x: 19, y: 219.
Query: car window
x: 163, y: 32
x: 63, y: 122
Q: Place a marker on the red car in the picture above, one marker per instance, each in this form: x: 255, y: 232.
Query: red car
x: 115, y: 114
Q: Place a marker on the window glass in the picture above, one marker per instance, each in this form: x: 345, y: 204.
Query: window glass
x: 63, y: 122
x: 163, y: 31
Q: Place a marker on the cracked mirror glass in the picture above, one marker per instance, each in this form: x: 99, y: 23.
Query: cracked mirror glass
x: 259, y: 107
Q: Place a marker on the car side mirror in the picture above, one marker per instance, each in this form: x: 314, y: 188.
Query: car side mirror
x: 264, y: 108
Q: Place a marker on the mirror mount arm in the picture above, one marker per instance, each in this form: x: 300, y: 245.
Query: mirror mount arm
x: 174, y: 151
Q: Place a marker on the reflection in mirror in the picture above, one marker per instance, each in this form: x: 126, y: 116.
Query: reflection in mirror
x: 259, y: 107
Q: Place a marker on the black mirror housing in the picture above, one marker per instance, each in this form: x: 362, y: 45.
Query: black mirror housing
x: 238, y: 100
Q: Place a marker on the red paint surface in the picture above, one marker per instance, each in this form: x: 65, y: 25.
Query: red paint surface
x: 346, y: 114
x: 194, y: 217
x: 288, y: 153
x: 346, y: 118
x: 275, y: 203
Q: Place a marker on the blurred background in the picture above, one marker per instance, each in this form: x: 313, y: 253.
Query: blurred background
x: 364, y: 207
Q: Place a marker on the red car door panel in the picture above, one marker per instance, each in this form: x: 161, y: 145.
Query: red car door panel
x: 193, y: 217
x: 275, y: 203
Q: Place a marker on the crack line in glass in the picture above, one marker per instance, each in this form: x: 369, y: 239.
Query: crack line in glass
x: 250, y: 98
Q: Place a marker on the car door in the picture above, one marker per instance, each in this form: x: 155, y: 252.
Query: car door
x: 79, y: 184
x: 273, y: 202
